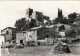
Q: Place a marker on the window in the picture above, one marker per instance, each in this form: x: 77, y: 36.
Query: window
x: 30, y: 36
x: 23, y: 33
x: 7, y: 32
x: 21, y: 41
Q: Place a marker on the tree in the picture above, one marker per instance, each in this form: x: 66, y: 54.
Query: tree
x: 53, y: 31
x: 21, y: 24
x: 70, y: 33
x: 72, y: 17
x: 56, y: 20
x: 65, y: 20
x: 32, y: 23
x: 47, y: 23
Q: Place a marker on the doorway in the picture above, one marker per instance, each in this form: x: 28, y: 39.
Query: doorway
x: 21, y: 41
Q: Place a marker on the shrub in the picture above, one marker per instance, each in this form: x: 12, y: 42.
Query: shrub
x: 18, y: 46
x: 61, y: 48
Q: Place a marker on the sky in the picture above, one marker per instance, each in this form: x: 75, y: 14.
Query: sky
x: 10, y: 11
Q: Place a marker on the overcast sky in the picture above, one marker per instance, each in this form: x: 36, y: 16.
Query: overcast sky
x: 10, y: 11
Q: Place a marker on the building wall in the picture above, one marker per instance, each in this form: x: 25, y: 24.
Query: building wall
x: 27, y: 36
x: 34, y: 15
x: 2, y: 39
x: 20, y: 36
x: 9, y: 31
x: 31, y: 35
x: 28, y: 14
x: 3, y: 32
x: 8, y: 37
x: 38, y: 16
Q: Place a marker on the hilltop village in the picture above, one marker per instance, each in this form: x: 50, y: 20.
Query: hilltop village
x: 37, y: 29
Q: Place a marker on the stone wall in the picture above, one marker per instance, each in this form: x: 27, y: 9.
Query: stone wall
x: 20, y: 36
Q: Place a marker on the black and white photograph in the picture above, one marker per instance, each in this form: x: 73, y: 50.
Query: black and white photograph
x: 39, y: 28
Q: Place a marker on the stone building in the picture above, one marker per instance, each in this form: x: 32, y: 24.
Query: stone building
x: 20, y: 37
x: 9, y: 34
x: 37, y: 16
x: 33, y: 34
x: 25, y: 36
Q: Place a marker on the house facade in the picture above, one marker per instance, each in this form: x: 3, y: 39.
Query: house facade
x: 24, y: 36
x: 9, y: 34
x: 20, y: 37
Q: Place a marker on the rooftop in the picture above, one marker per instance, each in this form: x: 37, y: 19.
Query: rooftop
x: 35, y: 28
x: 8, y: 27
